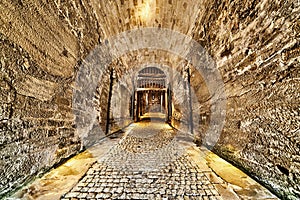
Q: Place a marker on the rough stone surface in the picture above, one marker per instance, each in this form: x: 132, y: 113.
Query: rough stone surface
x: 36, y: 120
x: 183, y: 164
x: 256, y: 47
x: 254, y: 43
x: 180, y: 179
x: 148, y: 163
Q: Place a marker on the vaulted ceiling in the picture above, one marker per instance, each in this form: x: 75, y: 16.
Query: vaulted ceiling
x: 255, y: 45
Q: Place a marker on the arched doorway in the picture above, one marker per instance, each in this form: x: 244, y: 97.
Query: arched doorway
x: 151, y: 94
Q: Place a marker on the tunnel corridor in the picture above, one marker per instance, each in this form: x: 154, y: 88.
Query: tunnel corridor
x: 149, y: 99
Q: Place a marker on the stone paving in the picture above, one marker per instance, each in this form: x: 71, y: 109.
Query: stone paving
x: 147, y: 163
x: 150, y: 161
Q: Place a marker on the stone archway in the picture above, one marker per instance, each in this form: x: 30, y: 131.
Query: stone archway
x: 150, y: 94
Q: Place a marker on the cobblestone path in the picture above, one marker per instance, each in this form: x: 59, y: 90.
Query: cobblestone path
x: 147, y: 163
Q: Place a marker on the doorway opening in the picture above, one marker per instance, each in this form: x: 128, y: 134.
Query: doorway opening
x: 151, y: 95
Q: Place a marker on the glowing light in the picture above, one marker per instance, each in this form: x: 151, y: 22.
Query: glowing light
x: 147, y: 10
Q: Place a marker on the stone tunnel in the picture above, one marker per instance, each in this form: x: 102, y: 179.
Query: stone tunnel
x: 78, y: 75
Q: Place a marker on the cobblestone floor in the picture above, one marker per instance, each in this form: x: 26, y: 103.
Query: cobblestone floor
x: 150, y: 161
x: 147, y: 163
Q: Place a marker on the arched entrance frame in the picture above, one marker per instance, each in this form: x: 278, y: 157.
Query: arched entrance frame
x: 142, y: 101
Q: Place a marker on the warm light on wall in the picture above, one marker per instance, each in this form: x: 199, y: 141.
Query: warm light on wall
x: 147, y: 10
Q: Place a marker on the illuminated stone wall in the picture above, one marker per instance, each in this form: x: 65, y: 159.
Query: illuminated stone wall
x: 256, y: 46
x: 36, y: 119
x: 254, y: 43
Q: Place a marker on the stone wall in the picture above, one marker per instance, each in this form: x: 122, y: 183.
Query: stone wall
x: 254, y: 43
x: 40, y: 48
x: 256, y: 46
x: 36, y: 119
x: 199, y: 101
x: 101, y: 99
x: 120, y: 107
